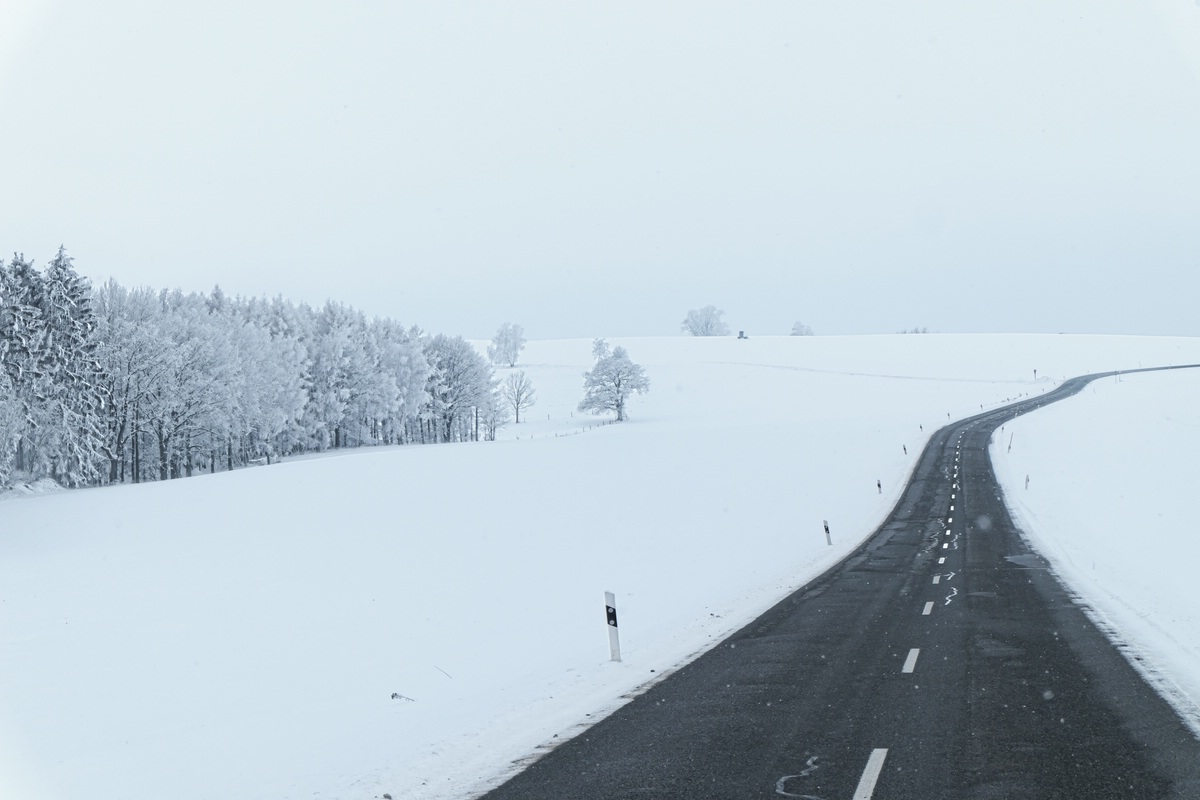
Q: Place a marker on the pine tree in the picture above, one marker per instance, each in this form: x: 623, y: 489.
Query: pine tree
x: 23, y: 337
x: 74, y: 402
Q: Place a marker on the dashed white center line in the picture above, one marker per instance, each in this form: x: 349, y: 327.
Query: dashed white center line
x: 870, y: 776
x: 946, y: 546
x: 937, y: 579
x: 942, y: 560
x: 951, y: 506
x: 949, y: 520
x: 910, y: 663
x: 928, y: 609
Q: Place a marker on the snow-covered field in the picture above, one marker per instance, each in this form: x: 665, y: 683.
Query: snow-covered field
x: 242, y: 635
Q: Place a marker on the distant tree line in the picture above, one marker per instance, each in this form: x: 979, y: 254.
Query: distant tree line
x: 710, y: 321
x: 114, y: 385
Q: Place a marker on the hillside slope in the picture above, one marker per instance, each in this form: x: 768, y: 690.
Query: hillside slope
x: 242, y: 635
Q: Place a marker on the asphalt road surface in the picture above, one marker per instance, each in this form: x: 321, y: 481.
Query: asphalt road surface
x: 940, y: 660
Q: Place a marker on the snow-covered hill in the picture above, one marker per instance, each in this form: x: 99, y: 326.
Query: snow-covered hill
x: 415, y: 620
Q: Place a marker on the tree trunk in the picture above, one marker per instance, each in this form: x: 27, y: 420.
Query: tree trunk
x: 164, y: 464
x: 136, y: 452
x: 118, y: 455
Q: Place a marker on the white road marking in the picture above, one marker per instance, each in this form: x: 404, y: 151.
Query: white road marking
x: 866, y: 784
x: 910, y: 663
x: 928, y: 609
x: 942, y: 560
x: 949, y: 520
x: 946, y: 546
x: 950, y: 596
x: 950, y: 575
x: 937, y: 579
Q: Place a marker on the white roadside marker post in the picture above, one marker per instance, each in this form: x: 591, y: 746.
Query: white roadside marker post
x: 614, y: 642
x: 828, y: 539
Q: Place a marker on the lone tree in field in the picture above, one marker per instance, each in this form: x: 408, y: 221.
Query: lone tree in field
x: 609, y: 384
x: 705, y: 321
x: 517, y: 392
x: 507, y: 344
x: 800, y: 329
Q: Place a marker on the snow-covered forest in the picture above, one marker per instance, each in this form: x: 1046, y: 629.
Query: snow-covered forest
x: 111, y: 384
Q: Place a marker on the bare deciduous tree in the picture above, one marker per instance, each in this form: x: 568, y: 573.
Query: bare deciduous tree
x: 517, y: 391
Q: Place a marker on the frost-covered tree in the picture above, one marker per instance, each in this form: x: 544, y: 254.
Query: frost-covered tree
x: 507, y: 344
x: 707, y: 321
x: 187, y: 411
x: 267, y: 394
x: 23, y: 350
x: 10, y: 427
x: 134, y: 356
x: 800, y: 329
x: 461, y: 384
x: 494, y: 415
x: 114, y: 384
x: 73, y: 394
x: 609, y: 384
x: 402, y: 359
x: 341, y: 378
x: 47, y: 351
x: 517, y: 391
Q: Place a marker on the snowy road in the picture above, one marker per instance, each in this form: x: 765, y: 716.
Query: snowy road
x: 940, y: 660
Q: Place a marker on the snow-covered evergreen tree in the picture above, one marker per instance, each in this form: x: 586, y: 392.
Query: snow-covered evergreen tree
x: 609, y: 384
x: 23, y: 337
x: 74, y: 383
x: 10, y: 426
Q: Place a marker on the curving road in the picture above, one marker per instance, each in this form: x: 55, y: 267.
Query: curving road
x: 940, y: 660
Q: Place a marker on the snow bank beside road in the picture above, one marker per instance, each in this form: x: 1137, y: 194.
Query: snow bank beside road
x: 1112, y: 504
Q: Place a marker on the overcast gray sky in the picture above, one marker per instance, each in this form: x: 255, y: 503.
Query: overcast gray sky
x: 599, y: 168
